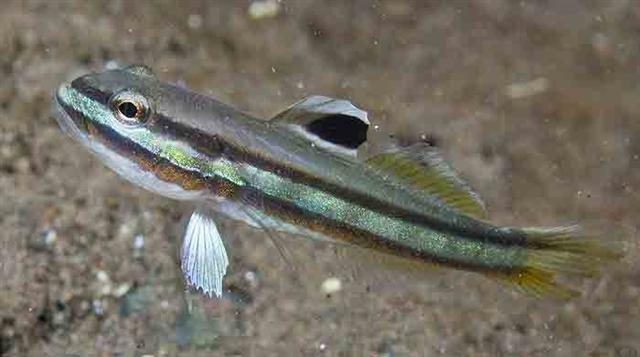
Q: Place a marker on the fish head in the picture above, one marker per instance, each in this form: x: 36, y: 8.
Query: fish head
x: 114, y: 114
x: 120, y: 100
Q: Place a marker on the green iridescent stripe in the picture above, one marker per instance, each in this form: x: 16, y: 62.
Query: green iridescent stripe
x: 417, y: 237
x: 176, y: 152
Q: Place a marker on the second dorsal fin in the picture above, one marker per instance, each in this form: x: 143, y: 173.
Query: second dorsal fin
x: 335, y: 124
x: 423, y: 167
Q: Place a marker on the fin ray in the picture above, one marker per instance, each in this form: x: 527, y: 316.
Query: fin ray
x: 559, y: 251
x: 423, y: 167
x: 204, y: 258
x: 273, y: 235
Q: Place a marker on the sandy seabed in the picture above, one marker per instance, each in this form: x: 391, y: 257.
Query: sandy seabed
x: 535, y: 102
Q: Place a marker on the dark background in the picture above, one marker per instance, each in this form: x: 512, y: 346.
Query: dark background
x: 534, y: 101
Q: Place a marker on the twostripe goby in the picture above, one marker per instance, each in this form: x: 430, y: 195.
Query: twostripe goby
x: 300, y: 172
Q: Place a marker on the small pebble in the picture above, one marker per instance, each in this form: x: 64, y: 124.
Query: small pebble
x: 138, y: 242
x: 251, y: 277
x: 263, y: 9
x: 104, y: 287
x: 50, y: 237
x: 126, y: 229
x: 98, y: 307
x: 194, y: 21
x: 102, y: 276
x: 44, y: 240
x: 122, y: 290
x: 331, y: 286
x: 527, y: 89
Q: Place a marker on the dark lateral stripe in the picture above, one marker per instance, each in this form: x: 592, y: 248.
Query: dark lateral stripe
x: 148, y: 160
x: 88, y: 90
x: 283, y: 210
x: 290, y: 213
x: 112, y: 140
x: 213, y: 146
x: 76, y: 116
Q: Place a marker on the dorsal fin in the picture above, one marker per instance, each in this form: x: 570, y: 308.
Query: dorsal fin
x: 423, y: 167
x: 333, y: 124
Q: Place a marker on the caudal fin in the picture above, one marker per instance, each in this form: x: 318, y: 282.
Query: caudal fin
x: 560, y: 251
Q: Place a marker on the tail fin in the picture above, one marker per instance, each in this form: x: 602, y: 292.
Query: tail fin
x: 560, y: 251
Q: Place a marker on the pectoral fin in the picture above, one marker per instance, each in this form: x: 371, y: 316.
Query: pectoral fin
x: 423, y: 167
x: 330, y: 123
x: 204, y: 259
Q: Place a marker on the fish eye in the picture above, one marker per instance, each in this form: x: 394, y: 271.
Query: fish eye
x: 130, y: 108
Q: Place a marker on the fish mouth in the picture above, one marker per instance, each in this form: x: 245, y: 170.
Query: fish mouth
x: 69, y: 120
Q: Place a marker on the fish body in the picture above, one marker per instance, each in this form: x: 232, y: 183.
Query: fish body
x: 300, y: 172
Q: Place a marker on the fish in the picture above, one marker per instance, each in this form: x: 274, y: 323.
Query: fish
x: 303, y: 172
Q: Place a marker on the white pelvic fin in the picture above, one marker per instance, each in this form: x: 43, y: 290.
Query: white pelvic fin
x: 204, y: 259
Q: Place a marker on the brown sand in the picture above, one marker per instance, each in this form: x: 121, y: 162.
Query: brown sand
x: 535, y: 102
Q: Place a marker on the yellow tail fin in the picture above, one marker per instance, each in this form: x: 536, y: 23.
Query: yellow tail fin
x: 559, y: 251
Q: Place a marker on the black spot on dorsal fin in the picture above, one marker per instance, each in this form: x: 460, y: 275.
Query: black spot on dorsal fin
x: 332, y: 123
x: 340, y: 129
